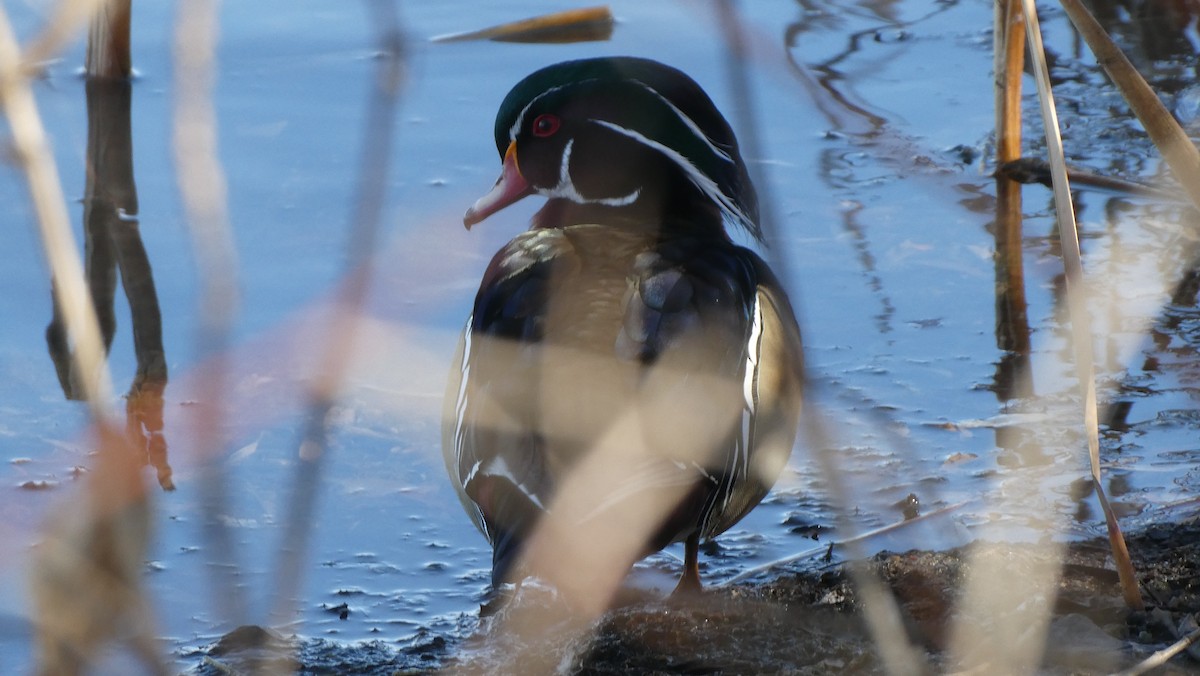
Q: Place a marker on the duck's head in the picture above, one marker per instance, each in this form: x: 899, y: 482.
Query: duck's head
x: 624, y: 138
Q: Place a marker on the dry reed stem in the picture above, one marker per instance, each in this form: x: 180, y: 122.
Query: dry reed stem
x: 108, y: 42
x: 1172, y: 141
x: 1012, y: 322
x: 1009, y: 58
x: 1007, y: 639
x: 573, y: 25
x: 1076, y: 296
x: 339, y: 340
x: 201, y: 178
x: 203, y: 190
x: 31, y: 151
x: 613, y: 499
x: 63, y: 24
x: 1162, y: 656
x: 845, y: 543
x: 86, y: 578
x: 881, y: 610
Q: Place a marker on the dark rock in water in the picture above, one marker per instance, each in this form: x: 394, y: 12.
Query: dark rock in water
x: 250, y: 649
x: 248, y: 637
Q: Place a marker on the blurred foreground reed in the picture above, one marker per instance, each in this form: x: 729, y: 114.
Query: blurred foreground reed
x: 88, y: 586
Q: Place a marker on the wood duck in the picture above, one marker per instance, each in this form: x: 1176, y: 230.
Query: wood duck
x: 625, y: 291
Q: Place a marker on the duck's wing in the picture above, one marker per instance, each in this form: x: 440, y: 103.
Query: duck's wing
x: 491, y: 442
x: 723, y: 373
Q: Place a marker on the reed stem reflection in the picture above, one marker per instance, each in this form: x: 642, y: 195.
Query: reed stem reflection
x: 113, y: 247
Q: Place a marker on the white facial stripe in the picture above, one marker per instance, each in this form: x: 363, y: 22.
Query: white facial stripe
x: 566, y: 187
x: 564, y: 168
x: 512, y: 131
x: 704, y: 183
x: 695, y: 129
x: 622, y: 201
x: 516, y: 127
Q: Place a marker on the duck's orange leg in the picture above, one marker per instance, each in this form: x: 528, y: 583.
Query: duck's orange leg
x: 689, y: 582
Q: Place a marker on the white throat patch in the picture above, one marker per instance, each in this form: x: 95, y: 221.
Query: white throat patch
x: 566, y: 187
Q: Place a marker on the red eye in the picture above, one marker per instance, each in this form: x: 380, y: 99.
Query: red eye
x: 546, y: 124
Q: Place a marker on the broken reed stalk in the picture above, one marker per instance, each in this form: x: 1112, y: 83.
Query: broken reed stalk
x: 1008, y: 64
x: 1012, y: 320
x: 573, y: 25
x: 1170, y: 138
x: 108, y: 42
x: 1076, y: 299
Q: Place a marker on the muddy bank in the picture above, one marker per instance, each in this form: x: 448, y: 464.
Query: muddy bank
x: 804, y: 621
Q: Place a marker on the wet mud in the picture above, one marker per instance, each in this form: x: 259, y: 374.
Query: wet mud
x: 807, y: 621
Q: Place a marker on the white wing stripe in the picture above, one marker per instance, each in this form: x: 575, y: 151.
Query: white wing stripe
x: 750, y: 381
x: 460, y: 406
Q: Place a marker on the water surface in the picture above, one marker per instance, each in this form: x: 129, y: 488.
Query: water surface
x: 872, y: 120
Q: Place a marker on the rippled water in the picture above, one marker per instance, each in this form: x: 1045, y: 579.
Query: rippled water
x: 872, y: 118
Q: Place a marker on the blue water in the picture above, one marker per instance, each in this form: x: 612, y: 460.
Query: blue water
x: 882, y: 231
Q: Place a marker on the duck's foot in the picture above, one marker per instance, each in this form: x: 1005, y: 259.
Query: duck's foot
x: 689, y: 585
x: 689, y: 582
x: 497, y: 598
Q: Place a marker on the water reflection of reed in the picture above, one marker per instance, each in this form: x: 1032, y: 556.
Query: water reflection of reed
x: 113, y: 246
x: 1012, y: 322
x: 85, y: 581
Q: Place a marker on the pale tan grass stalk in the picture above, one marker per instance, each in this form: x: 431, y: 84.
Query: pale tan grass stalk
x: 63, y: 25
x: 201, y: 178
x: 85, y: 577
x: 32, y: 152
x: 1004, y: 614
x: 1161, y: 657
x: 1076, y: 296
x: 203, y: 189
x: 338, y: 350
x: 881, y: 610
x: 1172, y: 141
